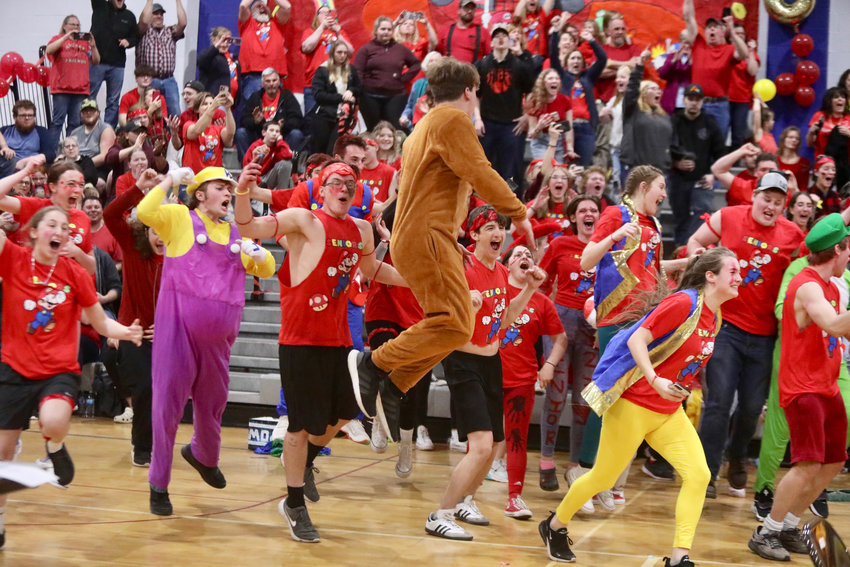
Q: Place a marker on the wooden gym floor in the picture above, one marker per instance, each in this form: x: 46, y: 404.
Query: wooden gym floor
x: 366, y: 516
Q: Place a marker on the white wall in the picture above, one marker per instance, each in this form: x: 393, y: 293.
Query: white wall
x: 27, y: 24
x: 839, y: 46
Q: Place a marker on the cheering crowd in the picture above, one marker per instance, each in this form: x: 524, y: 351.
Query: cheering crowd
x: 400, y: 191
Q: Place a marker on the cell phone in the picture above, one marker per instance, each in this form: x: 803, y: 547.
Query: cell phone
x: 235, y: 41
x: 81, y: 35
x: 727, y: 11
x: 223, y: 89
x: 675, y: 386
x: 565, y: 126
x: 332, y: 15
x: 259, y: 158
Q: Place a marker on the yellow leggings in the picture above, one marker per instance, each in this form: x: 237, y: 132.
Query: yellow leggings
x: 624, y: 426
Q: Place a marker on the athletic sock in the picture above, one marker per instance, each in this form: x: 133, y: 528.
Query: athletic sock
x: 2, y: 519
x: 312, y: 453
x: 772, y: 525
x: 791, y: 522
x: 546, y: 464
x: 449, y: 511
x: 406, y: 435
x: 53, y: 446
x: 295, y: 496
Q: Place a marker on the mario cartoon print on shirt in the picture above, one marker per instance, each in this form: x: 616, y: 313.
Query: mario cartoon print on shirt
x: 752, y: 269
x: 263, y: 31
x: 651, y: 246
x: 585, y: 278
x: 698, y: 361
x: 513, y: 335
x: 208, y: 145
x: 494, y: 319
x: 342, y: 272
x: 43, y: 308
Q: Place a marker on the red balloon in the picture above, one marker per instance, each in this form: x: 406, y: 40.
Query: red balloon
x: 805, y: 95
x: 807, y: 72
x: 27, y: 73
x: 802, y: 44
x: 9, y: 64
x: 42, y: 76
x: 4, y: 88
x: 785, y: 83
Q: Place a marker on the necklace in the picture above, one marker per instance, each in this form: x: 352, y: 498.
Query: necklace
x: 49, y: 274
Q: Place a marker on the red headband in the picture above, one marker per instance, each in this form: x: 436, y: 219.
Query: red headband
x: 823, y: 160
x: 487, y: 216
x: 341, y: 169
x: 137, y: 112
x: 371, y: 142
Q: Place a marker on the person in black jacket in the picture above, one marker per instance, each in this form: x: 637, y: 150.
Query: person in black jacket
x: 214, y: 63
x: 333, y: 108
x: 270, y: 103
x: 697, y: 143
x: 115, y: 31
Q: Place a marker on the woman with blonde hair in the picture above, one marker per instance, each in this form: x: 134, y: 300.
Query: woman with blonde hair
x: 336, y: 88
x: 545, y: 105
x: 406, y: 32
x: 647, y: 129
x: 389, y: 145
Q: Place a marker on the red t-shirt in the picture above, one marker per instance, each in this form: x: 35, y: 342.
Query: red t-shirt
x: 741, y: 191
x: 392, y: 303
x: 712, y: 67
x: 262, y: 45
x: 684, y: 364
x: 562, y: 261
x: 270, y: 105
x: 828, y: 124
x: 78, y: 223
x: 493, y: 285
x: 104, y: 240
x: 315, y: 312
x: 378, y: 180
x: 763, y: 252
x: 463, y: 43
x: 800, y: 170
x: 810, y: 358
x: 124, y: 183
x: 516, y: 342
x: 279, y: 152
x: 41, y: 313
x: 645, y: 262
x: 319, y: 55
x: 561, y: 105
x: 131, y: 98
x: 741, y: 84
x: 535, y: 26
x: 69, y: 67
x: 189, y: 115
x: 579, y: 102
x: 767, y: 143
x: 205, y: 150
x: 605, y: 87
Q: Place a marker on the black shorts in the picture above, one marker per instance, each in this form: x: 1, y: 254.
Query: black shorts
x: 475, y: 385
x: 316, y: 386
x: 20, y: 396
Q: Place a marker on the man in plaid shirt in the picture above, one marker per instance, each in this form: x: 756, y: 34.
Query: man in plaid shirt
x: 157, y: 49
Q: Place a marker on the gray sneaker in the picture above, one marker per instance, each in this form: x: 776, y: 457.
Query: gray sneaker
x: 767, y: 544
x: 311, y: 493
x: 792, y: 540
x: 300, y: 526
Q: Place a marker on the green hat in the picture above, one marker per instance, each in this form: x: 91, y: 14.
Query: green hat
x: 827, y: 232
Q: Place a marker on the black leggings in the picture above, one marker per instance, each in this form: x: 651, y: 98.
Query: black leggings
x: 134, y: 369
x: 375, y: 108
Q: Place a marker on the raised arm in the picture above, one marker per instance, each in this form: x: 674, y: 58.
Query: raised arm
x: 721, y: 169
x: 689, y: 15
x: 282, y: 11
x: 245, y: 10
x: 145, y: 17
x: 182, y: 19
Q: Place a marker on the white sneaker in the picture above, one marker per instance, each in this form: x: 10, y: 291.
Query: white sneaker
x: 126, y: 417
x: 441, y: 524
x: 467, y: 511
x: 423, y: 439
x: 606, y: 500
x: 19, y: 446
x: 354, y: 431
x: 619, y: 496
x: 44, y: 463
x: 498, y: 471
x: 517, y: 508
x: 738, y: 492
x: 379, y: 438
x: 572, y: 475
x: 279, y: 431
x: 404, y: 465
x: 455, y: 444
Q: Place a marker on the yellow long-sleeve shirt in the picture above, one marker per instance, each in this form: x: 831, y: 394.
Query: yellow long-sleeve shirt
x: 173, y: 224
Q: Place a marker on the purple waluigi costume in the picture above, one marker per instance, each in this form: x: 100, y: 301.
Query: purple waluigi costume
x: 197, y: 319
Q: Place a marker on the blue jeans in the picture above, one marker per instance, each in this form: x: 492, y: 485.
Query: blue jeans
x: 65, y: 106
x: 114, y: 77
x: 251, y: 83
x: 689, y: 201
x: 741, y: 364
x: 719, y: 110
x: 739, y: 113
x: 503, y: 148
x: 309, y: 100
x: 540, y: 143
x: 585, y: 142
x: 169, y: 89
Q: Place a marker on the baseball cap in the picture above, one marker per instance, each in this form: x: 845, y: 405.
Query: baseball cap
x: 88, y: 103
x: 465, y: 2
x: 157, y: 8
x: 714, y: 21
x: 694, y: 90
x: 500, y: 27
x: 195, y: 85
x: 775, y: 180
x: 826, y: 233
x: 209, y: 174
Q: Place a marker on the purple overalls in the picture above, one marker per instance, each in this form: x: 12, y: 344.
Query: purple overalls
x: 197, y: 319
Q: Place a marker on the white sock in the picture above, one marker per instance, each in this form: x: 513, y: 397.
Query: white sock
x: 772, y: 525
x: 53, y: 446
x: 447, y: 512
x: 406, y: 435
x: 791, y: 522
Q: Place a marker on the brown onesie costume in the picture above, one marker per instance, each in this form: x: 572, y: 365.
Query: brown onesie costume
x: 442, y: 161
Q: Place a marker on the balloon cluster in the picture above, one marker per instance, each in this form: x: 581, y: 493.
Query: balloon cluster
x: 13, y: 67
x: 805, y: 75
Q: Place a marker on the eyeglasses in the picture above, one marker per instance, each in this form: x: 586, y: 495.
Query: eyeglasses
x: 25, y: 116
x: 336, y: 184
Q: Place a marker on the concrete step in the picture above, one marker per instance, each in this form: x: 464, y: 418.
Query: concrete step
x: 269, y: 284
x: 270, y: 298
x: 261, y: 313
x: 255, y: 347
x: 259, y: 364
x: 249, y: 328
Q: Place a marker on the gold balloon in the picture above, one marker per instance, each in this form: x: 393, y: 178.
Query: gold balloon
x: 793, y: 13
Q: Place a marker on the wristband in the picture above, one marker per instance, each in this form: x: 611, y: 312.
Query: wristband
x: 553, y: 365
x: 240, y: 193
